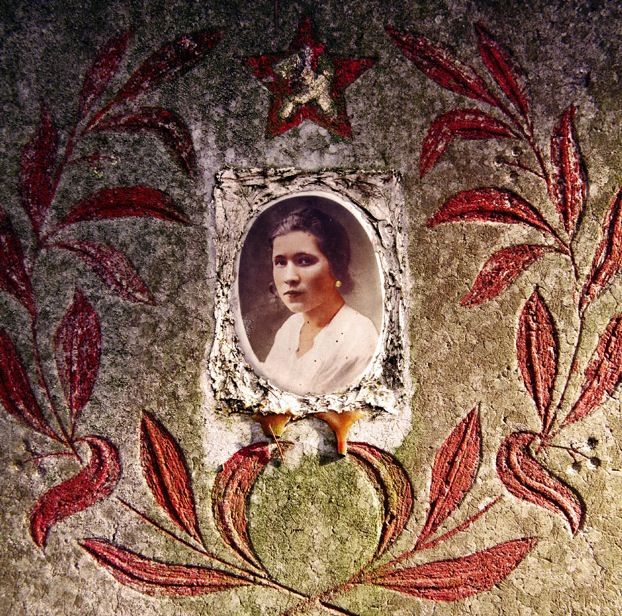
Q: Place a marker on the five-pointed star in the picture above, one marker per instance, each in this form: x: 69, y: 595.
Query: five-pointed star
x: 307, y: 83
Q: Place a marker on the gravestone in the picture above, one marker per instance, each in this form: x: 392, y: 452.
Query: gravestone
x: 189, y: 429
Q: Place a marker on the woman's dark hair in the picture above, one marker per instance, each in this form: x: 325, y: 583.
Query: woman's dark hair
x: 332, y: 239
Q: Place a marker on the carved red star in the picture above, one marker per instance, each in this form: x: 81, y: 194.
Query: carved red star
x: 307, y: 83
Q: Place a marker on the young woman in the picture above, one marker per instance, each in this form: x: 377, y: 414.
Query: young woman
x: 326, y: 345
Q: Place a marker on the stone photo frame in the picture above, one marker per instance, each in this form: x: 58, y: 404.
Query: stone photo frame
x: 246, y: 202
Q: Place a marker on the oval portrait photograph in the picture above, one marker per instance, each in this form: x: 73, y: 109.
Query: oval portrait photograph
x: 310, y: 295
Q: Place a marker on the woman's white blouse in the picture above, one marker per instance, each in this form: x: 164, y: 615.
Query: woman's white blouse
x: 338, y: 358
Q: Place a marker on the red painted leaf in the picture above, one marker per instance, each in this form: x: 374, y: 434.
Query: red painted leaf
x: 38, y: 168
x: 94, y: 483
x: 500, y: 271
x: 536, y: 349
x: 77, y: 346
x: 603, y: 373
x: 173, y: 59
x: 489, y: 205
x: 122, y: 203
x: 165, y: 470
x: 569, y: 173
x: 168, y: 126
x: 453, y: 472
x: 527, y: 479
x: 16, y: 392
x: 393, y: 486
x: 103, y: 69
x: 505, y: 70
x: 459, y: 124
x: 458, y: 578
x: 607, y: 260
x: 13, y: 276
x: 232, y: 486
x: 156, y: 578
x: 438, y: 64
x: 113, y: 267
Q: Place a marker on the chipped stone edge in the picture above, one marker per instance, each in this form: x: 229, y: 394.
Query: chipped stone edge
x: 240, y: 195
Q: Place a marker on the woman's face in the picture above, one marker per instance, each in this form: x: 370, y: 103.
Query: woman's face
x: 301, y: 272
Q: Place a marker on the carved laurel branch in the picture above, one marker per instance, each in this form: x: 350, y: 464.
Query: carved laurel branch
x: 506, y: 114
x: 453, y: 473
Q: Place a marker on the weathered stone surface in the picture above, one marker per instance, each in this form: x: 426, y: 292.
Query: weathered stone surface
x: 312, y: 519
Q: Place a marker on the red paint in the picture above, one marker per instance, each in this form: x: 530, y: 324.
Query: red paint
x: 16, y: 392
x: 165, y: 470
x: 13, y: 276
x: 569, y: 174
x: 603, y: 374
x: 607, y: 260
x: 527, y: 479
x: 133, y: 201
x: 166, y: 125
x: 103, y: 69
x: 113, y: 267
x: 393, y: 489
x: 231, y: 489
x: 169, y: 61
x: 441, y: 66
x: 156, y: 578
x: 459, y: 124
x: 38, y: 171
x: 500, y: 270
x: 94, y: 483
x: 338, y: 74
x: 536, y: 349
x: 489, y: 205
x: 458, y: 578
x: 453, y: 472
x: 77, y: 346
x: 504, y: 69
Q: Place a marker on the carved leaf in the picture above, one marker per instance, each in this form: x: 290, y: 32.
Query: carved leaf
x: 527, y: 479
x: 500, y: 271
x: 459, y: 124
x: 504, y: 69
x: 569, y: 173
x: 173, y: 59
x: 603, y: 373
x: 77, y: 346
x: 168, y: 126
x: 156, y: 578
x: 489, y: 205
x: 113, y: 267
x: 165, y: 470
x: 453, y: 472
x: 393, y: 486
x: 122, y: 203
x: 103, y: 69
x: 441, y: 66
x: 38, y: 168
x: 536, y: 349
x: 232, y: 486
x: 458, y: 578
x: 94, y: 483
x: 13, y: 276
x: 16, y: 392
x: 607, y: 260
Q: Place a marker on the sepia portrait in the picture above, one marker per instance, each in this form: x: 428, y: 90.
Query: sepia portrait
x: 310, y: 296
x: 310, y: 275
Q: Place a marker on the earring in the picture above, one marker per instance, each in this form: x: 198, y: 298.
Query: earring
x: 338, y: 283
